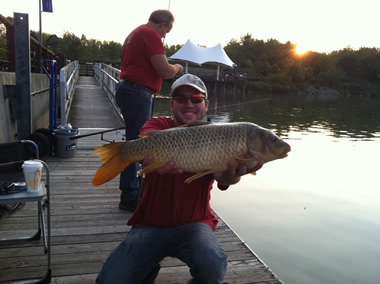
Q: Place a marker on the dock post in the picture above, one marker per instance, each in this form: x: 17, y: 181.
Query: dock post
x: 22, y: 60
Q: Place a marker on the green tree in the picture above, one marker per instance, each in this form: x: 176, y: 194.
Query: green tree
x: 233, y: 49
x: 94, y: 50
x: 71, y: 46
x: 170, y: 50
x: 350, y: 64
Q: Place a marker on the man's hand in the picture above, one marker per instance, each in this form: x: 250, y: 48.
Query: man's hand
x: 166, y: 169
x: 179, y: 69
x: 233, y: 173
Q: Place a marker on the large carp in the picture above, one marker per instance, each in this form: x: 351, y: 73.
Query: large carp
x: 199, y: 147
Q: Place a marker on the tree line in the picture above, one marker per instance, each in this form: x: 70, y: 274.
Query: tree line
x: 349, y: 71
x: 277, y: 67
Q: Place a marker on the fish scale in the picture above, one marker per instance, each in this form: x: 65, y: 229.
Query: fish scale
x: 199, y: 148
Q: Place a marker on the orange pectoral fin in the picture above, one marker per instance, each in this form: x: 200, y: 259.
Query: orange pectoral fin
x: 198, y: 175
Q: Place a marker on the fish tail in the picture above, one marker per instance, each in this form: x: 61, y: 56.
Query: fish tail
x: 110, y: 155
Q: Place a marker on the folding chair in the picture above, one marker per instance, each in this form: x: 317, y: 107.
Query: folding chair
x: 12, y: 182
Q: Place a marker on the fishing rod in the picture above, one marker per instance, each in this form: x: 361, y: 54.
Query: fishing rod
x: 154, y: 95
x: 170, y: 1
x: 243, y: 103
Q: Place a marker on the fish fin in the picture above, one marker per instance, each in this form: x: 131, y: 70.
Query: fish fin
x: 113, y: 164
x: 150, y: 133
x: 190, y: 124
x: 249, y: 162
x: 146, y: 134
x: 198, y: 175
x: 245, y: 159
x: 108, y: 151
x: 154, y: 166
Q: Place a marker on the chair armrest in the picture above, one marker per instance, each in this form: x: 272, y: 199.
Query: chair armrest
x: 11, y: 167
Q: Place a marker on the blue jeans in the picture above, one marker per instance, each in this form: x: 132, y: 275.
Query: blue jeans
x: 135, y: 104
x: 145, y: 246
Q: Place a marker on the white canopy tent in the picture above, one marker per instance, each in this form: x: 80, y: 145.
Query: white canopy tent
x: 200, y: 55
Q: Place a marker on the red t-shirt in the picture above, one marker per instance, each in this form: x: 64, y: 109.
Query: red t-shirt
x: 167, y: 200
x: 138, y: 47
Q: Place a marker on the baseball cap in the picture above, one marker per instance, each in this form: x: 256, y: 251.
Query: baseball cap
x: 189, y: 80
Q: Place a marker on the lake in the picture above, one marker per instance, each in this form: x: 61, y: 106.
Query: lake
x: 313, y: 217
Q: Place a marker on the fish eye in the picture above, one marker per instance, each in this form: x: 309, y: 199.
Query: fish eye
x: 275, y: 138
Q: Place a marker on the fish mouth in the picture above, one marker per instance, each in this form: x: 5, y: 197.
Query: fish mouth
x: 273, y: 156
x: 284, y: 153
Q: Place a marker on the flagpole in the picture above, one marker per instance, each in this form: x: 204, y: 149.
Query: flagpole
x: 40, y: 21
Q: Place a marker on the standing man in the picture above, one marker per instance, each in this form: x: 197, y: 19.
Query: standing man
x: 143, y: 66
x: 174, y: 218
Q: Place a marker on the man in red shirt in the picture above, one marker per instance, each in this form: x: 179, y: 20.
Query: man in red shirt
x: 143, y: 66
x: 174, y: 218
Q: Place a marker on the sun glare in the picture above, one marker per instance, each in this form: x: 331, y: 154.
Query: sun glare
x: 301, y: 50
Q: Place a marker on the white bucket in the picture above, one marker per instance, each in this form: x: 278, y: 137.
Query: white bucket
x: 32, y: 174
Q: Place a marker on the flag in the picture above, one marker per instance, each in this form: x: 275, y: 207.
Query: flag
x: 47, y: 6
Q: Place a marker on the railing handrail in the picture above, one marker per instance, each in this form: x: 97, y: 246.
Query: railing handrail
x: 108, y: 77
x: 68, y: 77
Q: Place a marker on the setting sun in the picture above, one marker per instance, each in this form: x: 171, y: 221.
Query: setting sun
x: 301, y: 50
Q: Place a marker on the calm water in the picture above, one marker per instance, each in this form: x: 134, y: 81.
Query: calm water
x: 313, y: 217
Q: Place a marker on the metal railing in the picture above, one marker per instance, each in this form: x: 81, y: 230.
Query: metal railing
x: 108, y: 77
x: 68, y: 77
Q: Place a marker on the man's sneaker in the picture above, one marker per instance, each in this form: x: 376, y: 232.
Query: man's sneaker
x: 128, y: 205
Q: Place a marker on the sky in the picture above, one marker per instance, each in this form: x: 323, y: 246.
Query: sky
x: 316, y: 25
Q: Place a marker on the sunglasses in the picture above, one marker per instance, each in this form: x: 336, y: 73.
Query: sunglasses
x: 195, y: 99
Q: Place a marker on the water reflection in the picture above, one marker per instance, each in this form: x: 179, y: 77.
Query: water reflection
x: 313, y: 217
x: 355, y: 118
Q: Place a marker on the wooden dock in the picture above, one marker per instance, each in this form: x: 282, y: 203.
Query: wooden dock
x: 86, y: 225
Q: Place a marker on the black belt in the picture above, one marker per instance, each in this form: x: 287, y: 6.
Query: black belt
x: 137, y: 85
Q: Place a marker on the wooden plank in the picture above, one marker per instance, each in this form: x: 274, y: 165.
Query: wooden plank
x: 86, y: 225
